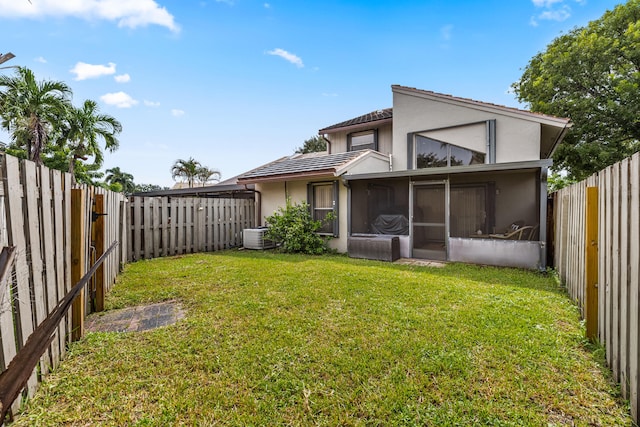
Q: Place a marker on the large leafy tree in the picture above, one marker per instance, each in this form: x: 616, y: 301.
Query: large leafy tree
x: 313, y: 145
x: 591, y: 75
x: 31, y: 110
x: 186, y: 170
x: 124, y: 179
x: 83, y: 130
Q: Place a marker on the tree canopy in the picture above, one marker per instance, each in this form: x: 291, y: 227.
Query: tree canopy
x: 46, y: 128
x: 192, y: 170
x: 592, y: 76
x: 313, y: 145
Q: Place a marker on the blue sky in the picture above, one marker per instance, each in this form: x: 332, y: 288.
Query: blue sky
x: 238, y: 83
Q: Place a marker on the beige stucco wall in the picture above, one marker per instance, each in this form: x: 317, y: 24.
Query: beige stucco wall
x: 274, y: 196
x: 339, y: 139
x: 517, y: 139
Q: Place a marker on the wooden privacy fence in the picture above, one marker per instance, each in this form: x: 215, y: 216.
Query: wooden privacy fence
x: 612, y: 269
x: 163, y: 226
x: 36, y: 218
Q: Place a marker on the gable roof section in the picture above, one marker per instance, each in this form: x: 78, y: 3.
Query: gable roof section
x: 303, y: 166
x: 378, y: 116
x: 484, y: 106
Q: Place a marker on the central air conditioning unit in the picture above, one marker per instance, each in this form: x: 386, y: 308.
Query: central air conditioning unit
x: 253, y: 238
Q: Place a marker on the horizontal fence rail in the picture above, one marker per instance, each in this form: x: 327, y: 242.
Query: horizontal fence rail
x: 163, y: 226
x: 618, y: 264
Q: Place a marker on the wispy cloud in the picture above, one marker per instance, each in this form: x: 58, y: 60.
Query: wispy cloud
x: 126, y: 13
x: 119, y: 99
x: 446, y: 32
x: 177, y: 113
x: 122, y: 78
x: 287, y: 56
x: 330, y: 95
x: 41, y: 60
x: 553, y: 10
x: 267, y: 6
x: 546, y: 3
x: 151, y: 103
x: 84, y: 71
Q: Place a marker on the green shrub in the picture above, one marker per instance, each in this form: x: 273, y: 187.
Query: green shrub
x: 296, y: 231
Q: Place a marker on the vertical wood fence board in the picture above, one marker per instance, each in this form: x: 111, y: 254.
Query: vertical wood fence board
x: 99, y: 244
x: 78, y: 258
x: 624, y: 277
x: 634, y: 286
x: 48, y: 239
x: 148, y: 232
x: 155, y: 226
x: 591, y: 306
x: 188, y: 226
x: 606, y: 249
x: 165, y: 226
x: 615, y: 274
x: 602, y: 284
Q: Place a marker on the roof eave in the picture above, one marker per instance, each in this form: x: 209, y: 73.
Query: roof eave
x: 327, y: 173
x: 359, y: 126
x: 492, y: 167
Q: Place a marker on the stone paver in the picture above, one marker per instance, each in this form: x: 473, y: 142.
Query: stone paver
x: 140, y: 318
x: 420, y: 262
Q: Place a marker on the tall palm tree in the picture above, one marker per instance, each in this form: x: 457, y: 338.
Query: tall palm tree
x: 186, y: 169
x: 115, y: 175
x: 206, y: 174
x: 82, y: 131
x: 31, y: 110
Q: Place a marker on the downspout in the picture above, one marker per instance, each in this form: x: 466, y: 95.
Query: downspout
x: 328, y: 143
x: 390, y: 162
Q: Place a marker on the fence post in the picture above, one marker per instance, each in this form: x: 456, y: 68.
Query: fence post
x: 591, y: 265
x: 78, y: 261
x: 98, y: 231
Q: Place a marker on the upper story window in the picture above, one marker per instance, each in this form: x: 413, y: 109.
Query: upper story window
x: 431, y: 153
x: 363, y: 140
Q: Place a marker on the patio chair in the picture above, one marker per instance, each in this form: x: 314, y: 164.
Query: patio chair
x: 516, y: 231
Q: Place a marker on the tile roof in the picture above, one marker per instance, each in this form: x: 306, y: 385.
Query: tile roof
x: 374, y: 116
x: 302, y: 164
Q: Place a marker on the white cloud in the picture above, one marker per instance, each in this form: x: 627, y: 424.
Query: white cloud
x: 553, y: 10
x: 177, y: 113
x: 126, y: 13
x: 556, y: 15
x: 84, y: 71
x: 151, y: 103
x: 546, y: 3
x: 41, y: 60
x: 294, y: 59
x: 122, y: 78
x: 119, y: 99
x: 267, y: 6
x: 330, y: 95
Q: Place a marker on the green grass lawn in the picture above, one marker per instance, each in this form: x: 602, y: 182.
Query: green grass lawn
x: 273, y: 339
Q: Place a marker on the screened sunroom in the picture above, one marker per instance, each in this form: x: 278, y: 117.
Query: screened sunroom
x: 491, y: 214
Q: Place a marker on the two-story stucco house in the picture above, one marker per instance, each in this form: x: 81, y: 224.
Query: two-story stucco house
x: 452, y: 178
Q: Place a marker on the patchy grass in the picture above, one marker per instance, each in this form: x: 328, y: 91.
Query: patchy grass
x: 275, y: 339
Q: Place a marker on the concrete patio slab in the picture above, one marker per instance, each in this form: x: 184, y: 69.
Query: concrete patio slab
x: 140, y: 318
